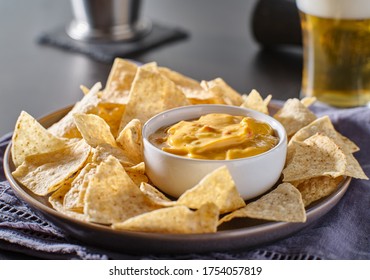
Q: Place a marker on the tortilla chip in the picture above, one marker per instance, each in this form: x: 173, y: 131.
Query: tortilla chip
x: 307, y: 101
x: 294, y: 115
x: 130, y: 141
x: 31, y: 138
x: 150, y: 94
x: 155, y: 195
x: 316, y: 188
x: 94, y: 130
x: 281, y: 204
x: 178, y: 219
x: 74, y: 197
x: 112, y: 114
x: 103, y: 151
x: 150, y: 66
x: 255, y: 101
x: 138, y: 168
x: 112, y: 196
x: 190, y: 87
x: 217, y: 187
x: 324, y: 126
x: 66, y: 127
x: 218, y: 87
x: 57, y: 198
x: 138, y: 178
x: 44, y: 173
x: 316, y: 156
x: 119, y: 81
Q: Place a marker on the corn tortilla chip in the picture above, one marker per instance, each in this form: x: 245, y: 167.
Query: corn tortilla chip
x: 307, y: 101
x: 74, y: 197
x: 316, y: 188
x: 316, y: 156
x: 281, y: 204
x: 219, y: 88
x: 324, y: 126
x: 112, y: 196
x: 217, y: 187
x: 130, y: 141
x: 44, y: 173
x: 94, y: 130
x: 178, y: 220
x: 103, y: 151
x: 155, y: 195
x: 66, y: 127
x: 112, y: 114
x: 57, y: 198
x: 190, y: 87
x: 119, y: 81
x: 294, y: 115
x: 150, y: 94
x: 30, y: 137
x: 255, y: 101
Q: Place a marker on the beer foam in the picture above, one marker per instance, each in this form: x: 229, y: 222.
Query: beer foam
x: 345, y: 9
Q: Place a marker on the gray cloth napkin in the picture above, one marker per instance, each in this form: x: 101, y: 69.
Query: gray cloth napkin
x: 108, y: 51
x: 343, y: 233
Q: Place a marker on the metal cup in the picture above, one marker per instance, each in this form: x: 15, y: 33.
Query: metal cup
x: 107, y: 20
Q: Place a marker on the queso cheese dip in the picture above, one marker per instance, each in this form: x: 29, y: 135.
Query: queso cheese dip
x: 217, y: 137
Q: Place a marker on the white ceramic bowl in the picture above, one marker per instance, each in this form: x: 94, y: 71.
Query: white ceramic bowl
x: 175, y: 174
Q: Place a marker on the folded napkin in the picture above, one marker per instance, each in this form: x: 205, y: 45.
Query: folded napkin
x: 108, y: 51
x: 343, y: 233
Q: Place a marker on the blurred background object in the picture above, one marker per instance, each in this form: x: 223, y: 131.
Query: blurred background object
x: 108, y: 20
x: 276, y: 23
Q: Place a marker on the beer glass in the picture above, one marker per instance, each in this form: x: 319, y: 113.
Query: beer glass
x: 336, y: 51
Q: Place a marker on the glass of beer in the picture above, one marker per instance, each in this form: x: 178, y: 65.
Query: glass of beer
x: 336, y: 51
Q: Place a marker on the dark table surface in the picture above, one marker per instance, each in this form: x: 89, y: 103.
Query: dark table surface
x: 40, y: 79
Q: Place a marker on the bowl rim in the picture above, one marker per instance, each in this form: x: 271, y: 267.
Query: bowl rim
x: 282, y: 140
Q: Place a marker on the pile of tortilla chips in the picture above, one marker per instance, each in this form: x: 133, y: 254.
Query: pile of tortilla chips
x: 90, y: 163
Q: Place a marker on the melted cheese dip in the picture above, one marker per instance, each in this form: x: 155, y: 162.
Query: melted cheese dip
x: 217, y: 137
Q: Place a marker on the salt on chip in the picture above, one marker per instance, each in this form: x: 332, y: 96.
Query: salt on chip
x: 294, y: 115
x: 150, y: 94
x: 66, y: 127
x: 316, y: 156
x: 218, y: 87
x: 30, y: 137
x: 176, y: 220
x: 94, y: 130
x: 44, y: 173
x: 119, y: 81
x: 217, y: 187
x: 130, y: 141
x: 112, y: 196
x: 281, y: 204
x: 316, y: 188
x: 255, y: 101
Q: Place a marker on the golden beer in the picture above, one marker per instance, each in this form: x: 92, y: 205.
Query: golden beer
x: 336, y: 56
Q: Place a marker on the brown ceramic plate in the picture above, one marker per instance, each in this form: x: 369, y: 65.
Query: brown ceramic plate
x: 235, y: 235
